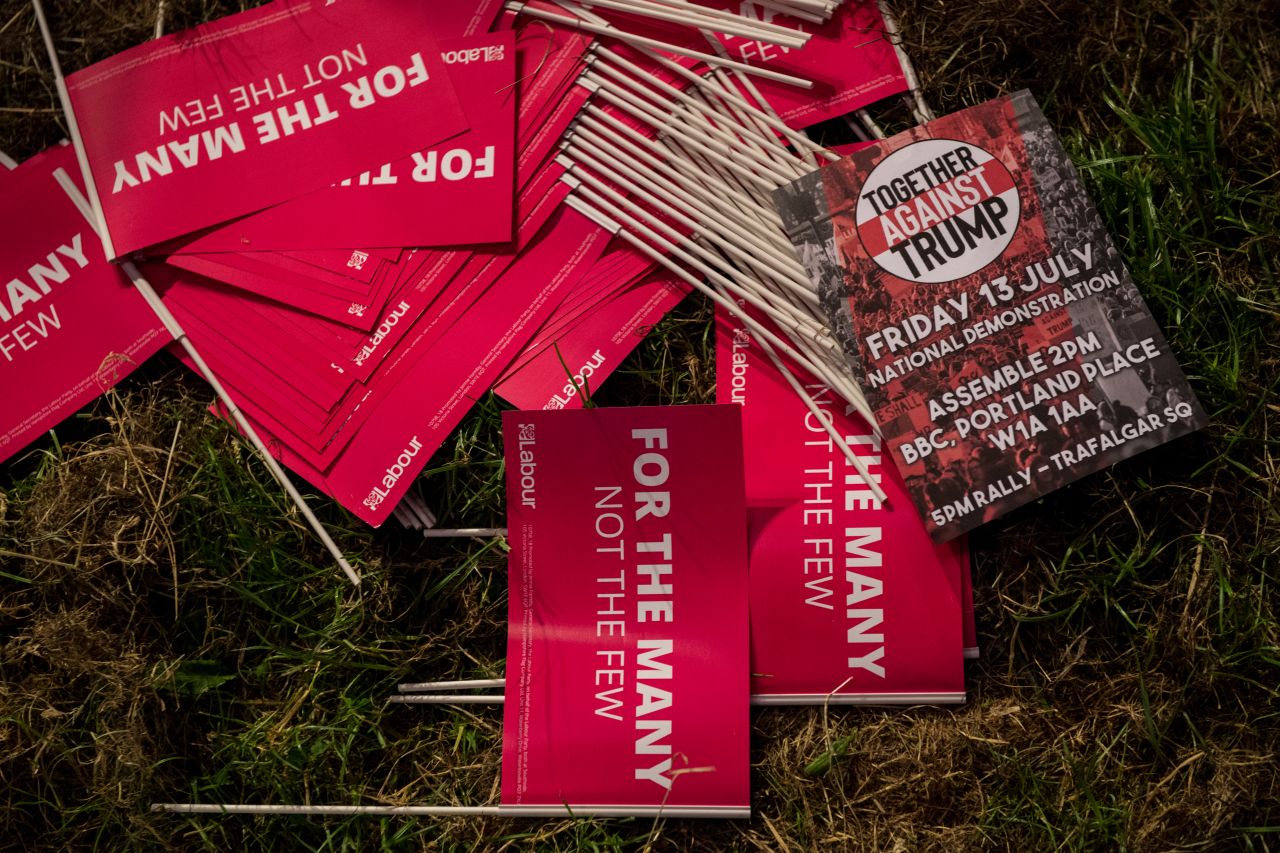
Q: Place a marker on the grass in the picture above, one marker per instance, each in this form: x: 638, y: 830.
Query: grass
x: 170, y: 631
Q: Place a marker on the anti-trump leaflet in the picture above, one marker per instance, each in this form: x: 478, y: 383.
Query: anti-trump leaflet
x: 202, y: 126
x: 627, y: 657
x: 851, y: 601
x: 995, y: 329
x: 71, y: 324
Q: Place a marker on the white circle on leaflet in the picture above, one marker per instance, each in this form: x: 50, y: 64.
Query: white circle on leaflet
x: 937, y: 210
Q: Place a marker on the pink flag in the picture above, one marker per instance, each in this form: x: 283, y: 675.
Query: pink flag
x: 431, y: 379
x: 71, y: 324
x: 580, y: 356
x: 849, y: 59
x: 627, y: 660
x: 457, y: 192
x: 281, y: 279
x: 216, y: 122
x: 850, y: 598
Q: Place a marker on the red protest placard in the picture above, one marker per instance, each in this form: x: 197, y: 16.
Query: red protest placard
x: 71, y: 324
x: 849, y: 60
x: 627, y: 643
x: 423, y: 389
x: 555, y: 370
x: 255, y: 109
x: 460, y: 191
x: 309, y: 289
x: 850, y: 599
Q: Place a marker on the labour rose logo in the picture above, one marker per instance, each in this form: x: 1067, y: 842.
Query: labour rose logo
x: 937, y: 210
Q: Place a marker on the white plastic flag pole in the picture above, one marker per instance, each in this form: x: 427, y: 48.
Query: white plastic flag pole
x: 676, y: 171
x: 818, y: 7
x: 667, y: 96
x: 413, y: 513
x: 859, y: 130
x: 609, y: 217
x: 762, y: 111
x: 835, y: 372
x: 737, y: 245
x: 763, y: 216
x: 593, y: 210
x: 677, y: 167
x: 447, y: 699
x: 794, y: 11
x: 750, y: 121
x: 747, y: 125
x: 719, y: 192
x: 752, y: 202
x: 786, y: 166
x: 798, y: 139
x: 569, y: 812
x: 754, y: 194
x: 815, y: 17
x: 714, y: 124
x: 609, y: 62
x: 720, y: 157
x: 870, y: 124
x: 464, y: 532
x: 418, y: 693
x: 834, y: 697
x: 73, y: 129
x: 662, y: 166
x: 596, y: 191
x: 919, y: 107
x: 710, y: 220
x: 812, y: 332
x: 93, y: 215
x: 713, y: 140
x: 704, y: 18
x: 465, y: 684
x: 687, y: 6
x: 580, y: 13
x: 642, y: 41
x: 249, y: 808
x: 799, y: 323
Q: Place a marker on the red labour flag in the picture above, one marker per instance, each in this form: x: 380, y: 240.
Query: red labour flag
x: 71, y: 324
x: 216, y: 122
x: 851, y: 601
x: 627, y: 662
x: 459, y: 191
